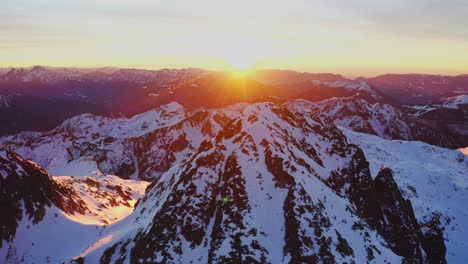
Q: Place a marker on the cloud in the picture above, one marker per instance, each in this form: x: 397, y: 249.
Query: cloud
x: 416, y: 18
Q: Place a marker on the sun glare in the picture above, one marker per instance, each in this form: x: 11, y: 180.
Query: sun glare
x: 239, y: 73
x: 240, y: 61
x: 240, y: 67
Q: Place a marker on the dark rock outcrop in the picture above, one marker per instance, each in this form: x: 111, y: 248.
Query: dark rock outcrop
x: 26, y: 190
x: 404, y: 235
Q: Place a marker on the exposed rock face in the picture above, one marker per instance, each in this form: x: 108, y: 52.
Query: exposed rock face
x: 26, y: 191
x: 405, y: 236
x: 258, y: 183
x: 433, y: 240
x: 399, y: 224
x: 355, y: 183
x: 280, y: 187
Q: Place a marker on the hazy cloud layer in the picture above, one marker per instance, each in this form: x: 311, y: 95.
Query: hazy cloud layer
x: 415, y: 18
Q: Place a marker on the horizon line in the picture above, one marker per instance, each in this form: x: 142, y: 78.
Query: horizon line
x: 149, y: 68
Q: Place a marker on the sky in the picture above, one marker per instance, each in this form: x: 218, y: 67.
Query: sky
x: 353, y: 37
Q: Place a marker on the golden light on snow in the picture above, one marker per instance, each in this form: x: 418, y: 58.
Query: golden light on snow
x: 101, y: 242
x: 104, y: 206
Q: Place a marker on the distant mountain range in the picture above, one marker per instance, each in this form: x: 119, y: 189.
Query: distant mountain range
x: 40, y: 98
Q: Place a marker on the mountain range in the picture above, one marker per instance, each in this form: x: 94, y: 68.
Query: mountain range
x: 193, y: 166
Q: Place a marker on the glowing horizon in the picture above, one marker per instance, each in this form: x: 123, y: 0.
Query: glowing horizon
x: 361, y: 38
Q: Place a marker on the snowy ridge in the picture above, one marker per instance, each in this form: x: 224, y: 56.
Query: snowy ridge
x: 361, y: 115
x: 51, y: 75
x: 365, y: 113
x: 357, y: 85
x: 137, y: 125
x: 142, y: 146
x: 270, y: 162
x: 456, y: 101
x: 89, y: 138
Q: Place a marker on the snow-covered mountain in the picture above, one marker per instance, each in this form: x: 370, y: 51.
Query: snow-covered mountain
x: 143, y: 146
x: 434, y: 179
x: 367, y: 112
x: 256, y: 182
x: 456, y: 102
x: 52, y: 75
x: 294, y: 167
x: 361, y: 114
x: 459, y: 102
x: 450, y: 112
x: 49, y: 219
x: 215, y: 199
x: 217, y: 205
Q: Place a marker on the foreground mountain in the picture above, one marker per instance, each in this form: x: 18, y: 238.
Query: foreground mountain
x: 434, y: 180
x: 270, y: 163
x: 50, y: 219
x: 261, y: 182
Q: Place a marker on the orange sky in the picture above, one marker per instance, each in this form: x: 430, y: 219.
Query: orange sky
x: 361, y: 37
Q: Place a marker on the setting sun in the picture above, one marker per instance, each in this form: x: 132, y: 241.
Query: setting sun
x: 240, y: 72
x: 240, y: 61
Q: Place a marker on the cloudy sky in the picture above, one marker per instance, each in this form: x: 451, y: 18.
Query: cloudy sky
x: 353, y: 37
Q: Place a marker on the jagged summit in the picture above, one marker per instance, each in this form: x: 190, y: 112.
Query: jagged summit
x: 267, y: 163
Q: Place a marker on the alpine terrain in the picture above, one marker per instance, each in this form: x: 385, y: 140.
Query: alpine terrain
x: 301, y: 168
